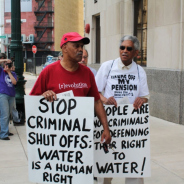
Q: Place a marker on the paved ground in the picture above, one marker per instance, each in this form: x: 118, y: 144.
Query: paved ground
x: 167, y: 152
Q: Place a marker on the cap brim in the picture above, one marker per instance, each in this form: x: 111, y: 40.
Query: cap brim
x: 85, y: 40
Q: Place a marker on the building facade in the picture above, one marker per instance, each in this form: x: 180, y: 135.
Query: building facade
x: 69, y: 17
x: 1, y: 23
x: 37, y: 27
x: 159, y: 28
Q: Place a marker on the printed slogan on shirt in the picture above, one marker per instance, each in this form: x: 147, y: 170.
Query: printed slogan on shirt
x: 125, y: 85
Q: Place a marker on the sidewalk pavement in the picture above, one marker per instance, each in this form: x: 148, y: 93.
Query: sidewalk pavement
x: 167, y: 152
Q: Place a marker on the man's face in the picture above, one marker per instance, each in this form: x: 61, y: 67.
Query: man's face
x: 127, y: 52
x: 74, y: 50
x: 84, y: 58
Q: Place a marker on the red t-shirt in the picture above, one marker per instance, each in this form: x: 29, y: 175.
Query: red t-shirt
x: 54, y: 77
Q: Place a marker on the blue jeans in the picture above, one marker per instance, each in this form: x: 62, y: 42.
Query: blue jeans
x: 15, y: 113
x: 6, y: 105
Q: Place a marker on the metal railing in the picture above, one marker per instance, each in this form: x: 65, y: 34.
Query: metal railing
x: 43, y: 24
x: 44, y: 39
x: 44, y: 8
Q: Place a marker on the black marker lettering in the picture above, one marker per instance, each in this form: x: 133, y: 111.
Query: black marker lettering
x: 45, y: 104
x: 28, y: 122
x: 71, y: 106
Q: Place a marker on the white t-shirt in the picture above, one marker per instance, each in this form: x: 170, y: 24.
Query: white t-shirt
x: 131, y: 83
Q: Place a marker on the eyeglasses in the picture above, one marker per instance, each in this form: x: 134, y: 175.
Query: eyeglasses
x: 128, y: 48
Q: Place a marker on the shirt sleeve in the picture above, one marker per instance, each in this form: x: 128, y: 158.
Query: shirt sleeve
x: 40, y: 85
x: 144, y: 91
x: 101, y: 76
x: 147, y: 96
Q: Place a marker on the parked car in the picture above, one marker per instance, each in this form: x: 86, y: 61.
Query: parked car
x: 50, y: 59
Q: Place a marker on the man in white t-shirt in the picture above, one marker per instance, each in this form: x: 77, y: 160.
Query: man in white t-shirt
x: 84, y: 61
x: 123, y: 80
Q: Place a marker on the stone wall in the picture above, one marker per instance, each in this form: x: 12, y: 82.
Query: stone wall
x: 166, y: 97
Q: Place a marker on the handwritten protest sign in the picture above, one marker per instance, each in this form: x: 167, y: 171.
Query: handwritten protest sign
x: 60, y: 139
x: 130, y: 156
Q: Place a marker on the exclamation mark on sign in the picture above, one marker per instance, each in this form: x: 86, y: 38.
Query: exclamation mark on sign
x: 143, y: 165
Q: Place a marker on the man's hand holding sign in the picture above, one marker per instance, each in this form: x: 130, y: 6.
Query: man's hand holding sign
x: 49, y: 95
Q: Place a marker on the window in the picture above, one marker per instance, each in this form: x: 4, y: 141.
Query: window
x: 39, y: 33
x: 41, y: 3
x: 98, y: 39
x: 50, y: 6
x: 140, y: 29
x: 49, y: 36
x: 39, y: 17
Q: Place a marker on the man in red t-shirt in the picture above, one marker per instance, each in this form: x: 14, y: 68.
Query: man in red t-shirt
x: 68, y: 74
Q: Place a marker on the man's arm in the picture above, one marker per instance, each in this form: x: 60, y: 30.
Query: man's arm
x: 8, y: 70
x: 4, y: 60
x: 12, y: 78
x: 144, y: 91
x: 100, y: 112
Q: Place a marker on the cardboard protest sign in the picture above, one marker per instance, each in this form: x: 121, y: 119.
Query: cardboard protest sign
x: 130, y: 153
x: 60, y: 139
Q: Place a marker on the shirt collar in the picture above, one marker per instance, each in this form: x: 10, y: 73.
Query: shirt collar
x: 121, y: 66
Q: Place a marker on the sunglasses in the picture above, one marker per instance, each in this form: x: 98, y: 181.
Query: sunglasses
x: 128, y: 48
